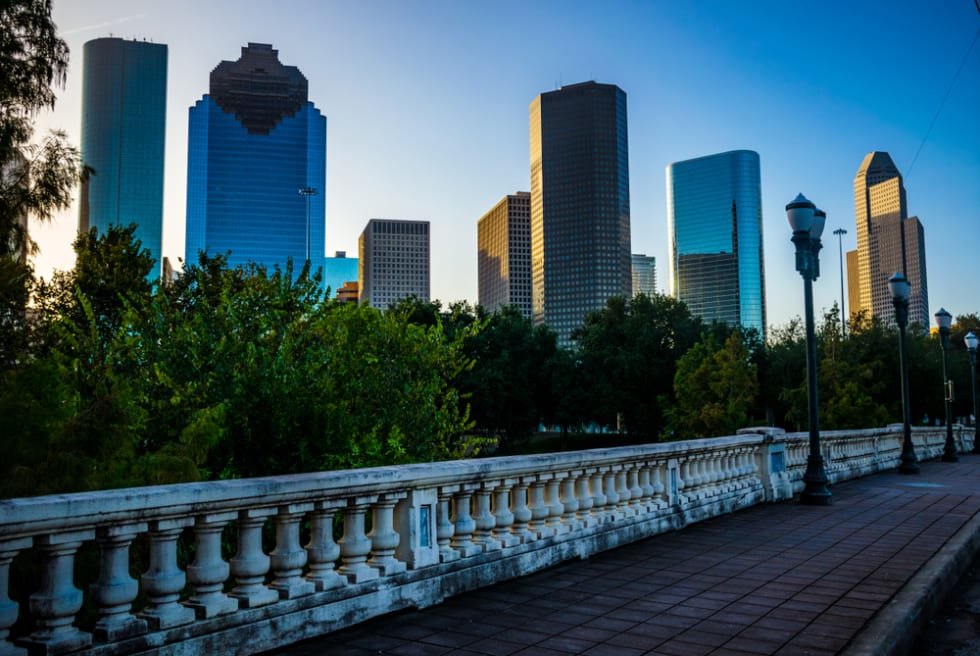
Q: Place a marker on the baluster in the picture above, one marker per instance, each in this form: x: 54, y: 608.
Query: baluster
x: 539, y: 511
x: 115, y: 589
x: 354, y: 544
x: 584, y: 514
x: 504, y: 516
x: 598, y: 498
x: 288, y: 558
x: 733, y: 478
x: 552, y: 499
x: 612, y: 498
x: 384, y: 538
x: 637, y: 502
x: 569, y: 502
x: 163, y: 580
x: 522, y: 514
x: 445, y: 530
x: 623, y: 506
x: 322, y: 552
x: 483, y: 520
x: 251, y: 564
x: 659, y: 488
x: 645, y: 481
x: 8, y: 607
x: 209, y: 571
x: 685, y: 482
x: 463, y: 523
x: 57, y: 599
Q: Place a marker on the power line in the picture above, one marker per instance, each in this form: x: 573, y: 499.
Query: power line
x: 945, y: 97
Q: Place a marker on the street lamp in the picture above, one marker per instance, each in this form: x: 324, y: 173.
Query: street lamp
x: 944, y: 320
x: 971, y: 346
x: 807, y: 223
x: 840, y: 232
x: 901, y: 289
x: 309, y: 192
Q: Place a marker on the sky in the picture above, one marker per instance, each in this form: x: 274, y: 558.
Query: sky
x: 427, y: 111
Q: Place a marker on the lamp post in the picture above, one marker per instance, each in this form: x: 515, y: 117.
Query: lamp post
x: 309, y: 192
x: 971, y: 346
x: 901, y: 289
x: 944, y: 320
x: 840, y: 232
x: 807, y: 223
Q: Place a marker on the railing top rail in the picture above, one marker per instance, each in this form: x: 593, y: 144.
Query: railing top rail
x: 62, y: 512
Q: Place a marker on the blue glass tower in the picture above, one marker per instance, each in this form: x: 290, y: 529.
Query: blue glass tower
x: 714, y: 220
x: 124, y: 107
x: 255, y: 144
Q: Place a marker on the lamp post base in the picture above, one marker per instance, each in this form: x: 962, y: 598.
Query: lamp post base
x: 908, y: 466
x: 815, y: 492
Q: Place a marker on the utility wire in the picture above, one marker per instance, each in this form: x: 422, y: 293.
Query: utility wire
x: 945, y: 97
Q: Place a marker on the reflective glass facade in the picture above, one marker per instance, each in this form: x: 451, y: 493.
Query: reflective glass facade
x: 644, y: 274
x: 580, y: 204
x: 714, y: 221
x: 124, y: 106
x: 338, y: 270
x: 254, y: 142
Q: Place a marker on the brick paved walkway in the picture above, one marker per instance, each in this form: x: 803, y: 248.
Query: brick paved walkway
x: 776, y: 579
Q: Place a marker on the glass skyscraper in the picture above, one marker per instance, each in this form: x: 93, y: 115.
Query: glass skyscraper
x: 714, y: 220
x: 580, y: 204
x: 256, y: 144
x: 124, y: 107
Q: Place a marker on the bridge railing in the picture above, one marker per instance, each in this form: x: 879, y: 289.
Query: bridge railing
x: 318, y: 552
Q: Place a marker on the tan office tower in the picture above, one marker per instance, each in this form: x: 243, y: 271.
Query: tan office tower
x: 393, y: 262
x: 888, y: 241
x: 504, y: 254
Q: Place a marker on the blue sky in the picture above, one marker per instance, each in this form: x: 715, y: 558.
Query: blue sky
x: 427, y: 111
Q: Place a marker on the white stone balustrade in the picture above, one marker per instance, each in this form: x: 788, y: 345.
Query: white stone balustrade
x: 436, y: 529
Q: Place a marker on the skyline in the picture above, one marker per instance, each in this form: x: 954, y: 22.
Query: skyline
x: 428, y: 103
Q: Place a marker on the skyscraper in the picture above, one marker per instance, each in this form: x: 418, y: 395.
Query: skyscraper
x: 888, y: 241
x: 714, y: 225
x: 338, y: 270
x: 124, y: 108
x: 580, y: 204
x: 644, y: 274
x: 393, y: 262
x: 256, y: 165
x: 504, y: 254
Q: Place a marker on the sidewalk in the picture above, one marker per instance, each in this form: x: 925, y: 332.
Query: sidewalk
x: 857, y: 578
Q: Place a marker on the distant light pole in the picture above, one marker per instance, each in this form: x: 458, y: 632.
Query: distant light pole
x: 944, y: 320
x: 840, y: 247
x: 901, y: 290
x: 971, y: 346
x: 807, y: 223
x: 309, y: 192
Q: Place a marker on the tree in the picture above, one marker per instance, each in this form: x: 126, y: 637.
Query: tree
x: 715, y: 387
x: 36, y: 180
x: 629, y: 351
x: 503, y: 388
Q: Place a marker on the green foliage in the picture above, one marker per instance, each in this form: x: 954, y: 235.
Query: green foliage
x: 507, y: 390
x: 36, y: 180
x: 629, y: 352
x: 715, y: 387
